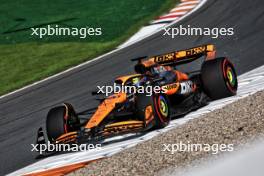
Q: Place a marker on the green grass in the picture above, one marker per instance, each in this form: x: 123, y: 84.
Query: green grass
x: 25, y: 58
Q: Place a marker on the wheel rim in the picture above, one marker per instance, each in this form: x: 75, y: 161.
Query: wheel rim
x: 163, y: 107
x: 230, y: 76
x: 231, y: 79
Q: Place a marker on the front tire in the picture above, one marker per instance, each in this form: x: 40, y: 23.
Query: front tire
x: 157, y: 105
x: 61, y: 120
x: 219, y: 78
x: 162, y: 110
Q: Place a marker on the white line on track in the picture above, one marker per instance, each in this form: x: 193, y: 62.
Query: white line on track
x: 158, y: 25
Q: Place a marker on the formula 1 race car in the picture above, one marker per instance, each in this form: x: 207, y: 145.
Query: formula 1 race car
x: 133, y: 112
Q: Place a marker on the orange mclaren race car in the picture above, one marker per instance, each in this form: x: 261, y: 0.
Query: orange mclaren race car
x: 133, y: 112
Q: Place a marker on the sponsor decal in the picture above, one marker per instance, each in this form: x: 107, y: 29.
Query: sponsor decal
x: 187, y: 87
x: 195, y: 51
x: 171, y: 88
x: 165, y: 58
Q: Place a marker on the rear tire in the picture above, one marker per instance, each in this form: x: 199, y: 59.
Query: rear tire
x: 219, y: 78
x: 61, y: 120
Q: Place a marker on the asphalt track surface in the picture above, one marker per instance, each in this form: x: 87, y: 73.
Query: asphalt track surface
x: 22, y: 113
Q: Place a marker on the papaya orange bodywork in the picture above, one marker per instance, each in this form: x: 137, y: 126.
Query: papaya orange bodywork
x: 180, y: 56
x: 149, y: 116
x: 67, y: 137
x: 171, y: 88
x: 123, y: 126
x: 105, y: 108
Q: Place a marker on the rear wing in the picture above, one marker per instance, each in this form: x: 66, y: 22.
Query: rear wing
x: 175, y: 58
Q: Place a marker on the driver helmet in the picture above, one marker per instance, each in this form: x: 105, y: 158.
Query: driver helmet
x: 135, y: 80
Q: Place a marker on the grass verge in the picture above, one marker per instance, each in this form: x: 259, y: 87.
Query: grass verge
x: 24, y: 59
